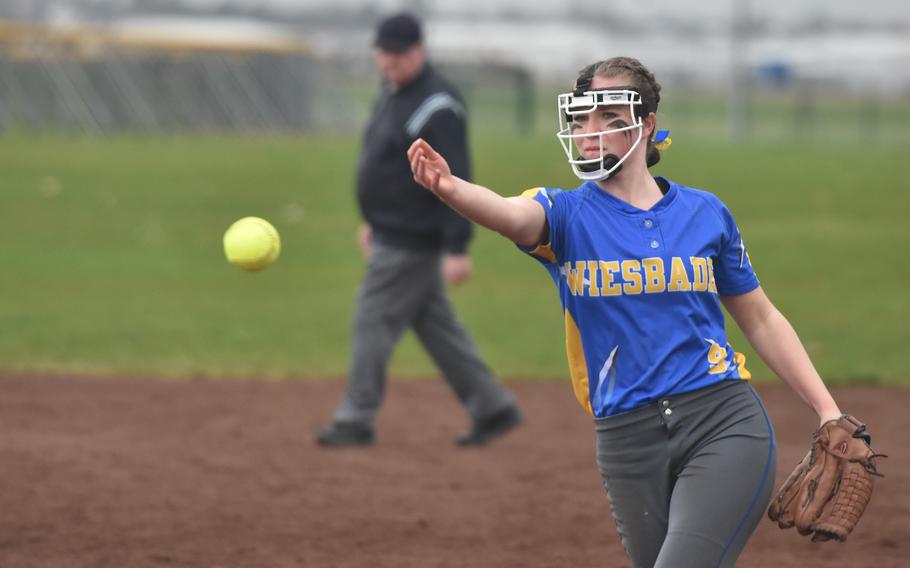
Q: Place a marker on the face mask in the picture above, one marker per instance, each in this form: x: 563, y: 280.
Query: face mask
x: 581, y: 103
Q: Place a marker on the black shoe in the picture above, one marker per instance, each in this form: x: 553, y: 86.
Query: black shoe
x: 492, y: 427
x: 345, y: 434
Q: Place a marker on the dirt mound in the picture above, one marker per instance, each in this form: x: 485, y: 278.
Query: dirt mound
x: 128, y: 472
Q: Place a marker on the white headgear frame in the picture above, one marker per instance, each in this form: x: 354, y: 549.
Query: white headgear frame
x: 572, y: 104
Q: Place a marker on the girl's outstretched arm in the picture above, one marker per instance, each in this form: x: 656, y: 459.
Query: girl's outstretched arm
x: 519, y: 219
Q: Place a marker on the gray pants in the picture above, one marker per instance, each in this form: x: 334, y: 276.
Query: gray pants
x: 404, y: 289
x: 690, y: 476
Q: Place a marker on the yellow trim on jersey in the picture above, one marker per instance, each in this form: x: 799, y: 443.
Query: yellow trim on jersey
x: 543, y: 250
x: 578, y: 366
x: 531, y: 193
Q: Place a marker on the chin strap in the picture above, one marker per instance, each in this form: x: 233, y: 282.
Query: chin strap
x: 608, y: 162
x: 661, y: 141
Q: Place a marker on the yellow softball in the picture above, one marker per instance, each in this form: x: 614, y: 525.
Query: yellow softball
x: 251, y: 243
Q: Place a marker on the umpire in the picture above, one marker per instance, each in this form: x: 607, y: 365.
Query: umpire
x: 414, y: 245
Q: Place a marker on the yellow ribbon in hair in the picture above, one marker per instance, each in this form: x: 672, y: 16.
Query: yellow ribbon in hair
x: 662, y: 140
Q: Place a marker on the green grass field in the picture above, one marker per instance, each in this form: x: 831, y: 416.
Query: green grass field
x: 111, y: 254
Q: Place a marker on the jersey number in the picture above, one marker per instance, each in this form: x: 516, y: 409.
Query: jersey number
x: 717, y: 359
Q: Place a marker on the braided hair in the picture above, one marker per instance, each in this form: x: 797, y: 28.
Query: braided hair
x: 640, y: 78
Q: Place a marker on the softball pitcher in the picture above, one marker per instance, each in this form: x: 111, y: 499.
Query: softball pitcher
x: 642, y: 266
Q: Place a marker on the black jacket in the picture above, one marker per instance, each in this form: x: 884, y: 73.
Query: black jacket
x: 401, y: 212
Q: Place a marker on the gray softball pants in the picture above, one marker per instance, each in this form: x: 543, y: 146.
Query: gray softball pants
x: 404, y: 289
x: 690, y: 476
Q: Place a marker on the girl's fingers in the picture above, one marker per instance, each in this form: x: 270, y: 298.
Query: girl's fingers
x: 415, y: 167
x: 421, y: 146
x: 421, y: 155
x: 418, y: 145
x: 428, y: 150
x: 417, y: 163
x: 421, y: 170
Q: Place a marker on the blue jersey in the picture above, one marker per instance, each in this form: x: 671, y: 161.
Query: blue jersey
x: 639, y: 291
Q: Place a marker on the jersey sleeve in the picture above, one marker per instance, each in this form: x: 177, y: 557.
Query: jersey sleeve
x: 733, y: 271
x: 547, y: 253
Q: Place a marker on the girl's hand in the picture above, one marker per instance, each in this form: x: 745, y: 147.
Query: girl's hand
x: 431, y: 170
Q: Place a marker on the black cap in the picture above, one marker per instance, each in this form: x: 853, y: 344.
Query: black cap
x: 398, y: 33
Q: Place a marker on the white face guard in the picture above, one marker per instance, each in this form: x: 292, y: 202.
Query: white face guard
x: 570, y: 104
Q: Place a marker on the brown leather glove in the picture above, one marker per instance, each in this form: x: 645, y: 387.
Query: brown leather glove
x: 828, y: 491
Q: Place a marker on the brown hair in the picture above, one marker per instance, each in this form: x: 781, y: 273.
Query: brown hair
x: 639, y: 77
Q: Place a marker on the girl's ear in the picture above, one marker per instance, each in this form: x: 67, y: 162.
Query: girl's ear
x: 650, y: 121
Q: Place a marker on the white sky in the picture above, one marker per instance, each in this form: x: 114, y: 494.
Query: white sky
x: 872, y: 11
x: 658, y: 33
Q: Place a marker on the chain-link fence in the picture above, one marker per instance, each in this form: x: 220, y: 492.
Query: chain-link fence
x: 86, y: 80
x: 94, y: 81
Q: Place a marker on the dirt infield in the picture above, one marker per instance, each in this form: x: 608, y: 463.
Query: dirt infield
x: 204, y: 473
